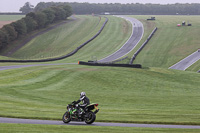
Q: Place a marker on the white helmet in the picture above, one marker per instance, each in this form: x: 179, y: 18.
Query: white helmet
x: 82, y: 94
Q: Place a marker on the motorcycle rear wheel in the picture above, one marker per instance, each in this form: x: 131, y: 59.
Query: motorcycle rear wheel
x: 66, y: 117
x: 91, y: 118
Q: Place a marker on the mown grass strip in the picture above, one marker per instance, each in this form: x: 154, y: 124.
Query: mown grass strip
x: 8, y: 128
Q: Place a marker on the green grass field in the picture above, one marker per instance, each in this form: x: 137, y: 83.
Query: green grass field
x: 151, y: 95
x: 10, y: 17
x: 170, y: 44
x: 18, y: 128
x: 195, y: 67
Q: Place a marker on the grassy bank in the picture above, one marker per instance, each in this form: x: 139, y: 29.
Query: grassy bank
x: 151, y: 95
x: 61, y: 40
x: 66, y: 38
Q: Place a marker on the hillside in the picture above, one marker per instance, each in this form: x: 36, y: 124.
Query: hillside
x: 56, y: 42
x: 170, y: 44
x: 66, y: 38
x: 123, y: 94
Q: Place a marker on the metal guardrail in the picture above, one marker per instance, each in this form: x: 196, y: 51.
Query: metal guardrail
x: 65, y: 56
x: 143, y: 45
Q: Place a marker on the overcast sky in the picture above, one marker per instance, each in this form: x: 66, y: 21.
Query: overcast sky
x: 14, y: 5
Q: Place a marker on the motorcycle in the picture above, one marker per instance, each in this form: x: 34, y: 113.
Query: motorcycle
x: 87, y: 114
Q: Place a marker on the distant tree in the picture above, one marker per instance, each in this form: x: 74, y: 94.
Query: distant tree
x: 41, y: 6
x: 10, y: 31
x: 50, y: 14
x: 65, y: 6
x: 3, y: 39
x: 68, y: 10
x: 31, y: 14
x: 41, y: 19
x: 31, y: 24
x: 27, y: 8
x: 20, y: 27
x: 59, y: 13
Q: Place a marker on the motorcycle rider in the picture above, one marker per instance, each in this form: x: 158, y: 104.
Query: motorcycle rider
x: 85, y: 100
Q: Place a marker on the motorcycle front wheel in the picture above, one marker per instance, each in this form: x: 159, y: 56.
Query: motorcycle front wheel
x: 90, y: 117
x: 66, y: 117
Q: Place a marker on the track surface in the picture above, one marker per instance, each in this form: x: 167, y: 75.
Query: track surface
x: 47, y: 122
x: 137, y: 33
x: 187, y: 62
x: 22, y: 66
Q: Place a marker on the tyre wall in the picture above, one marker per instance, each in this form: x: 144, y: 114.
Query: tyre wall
x: 112, y: 65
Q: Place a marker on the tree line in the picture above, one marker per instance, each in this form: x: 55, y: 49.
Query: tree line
x: 135, y: 9
x: 33, y: 21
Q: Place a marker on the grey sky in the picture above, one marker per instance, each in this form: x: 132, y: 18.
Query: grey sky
x: 14, y: 5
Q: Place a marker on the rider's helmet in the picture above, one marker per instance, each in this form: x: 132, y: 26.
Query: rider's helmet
x: 82, y: 94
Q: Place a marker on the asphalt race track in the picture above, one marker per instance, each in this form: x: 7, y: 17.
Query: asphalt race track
x: 137, y: 33
x: 48, y: 122
x: 187, y: 62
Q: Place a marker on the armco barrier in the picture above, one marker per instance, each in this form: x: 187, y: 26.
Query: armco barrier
x: 62, y: 57
x: 143, y: 45
x: 112, y: 65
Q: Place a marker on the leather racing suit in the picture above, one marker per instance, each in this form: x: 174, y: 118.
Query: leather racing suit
x: 85, y: 101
